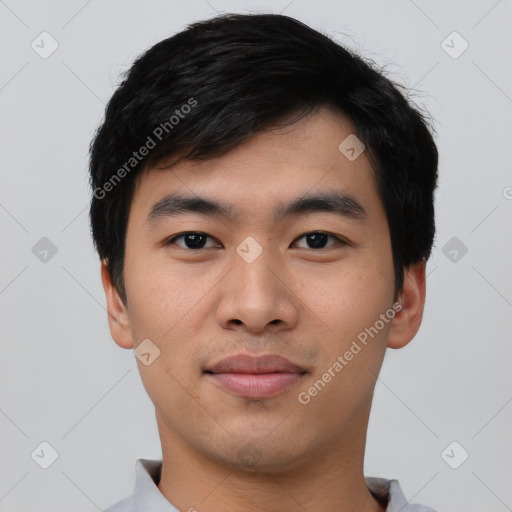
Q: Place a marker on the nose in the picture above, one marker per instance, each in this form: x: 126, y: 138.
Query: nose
x: 257, y: 295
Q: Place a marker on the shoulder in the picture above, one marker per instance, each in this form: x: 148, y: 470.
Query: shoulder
x: 390, y: 493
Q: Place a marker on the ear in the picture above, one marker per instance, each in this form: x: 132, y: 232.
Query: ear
x: 118, y: 320
x: 407, y: 321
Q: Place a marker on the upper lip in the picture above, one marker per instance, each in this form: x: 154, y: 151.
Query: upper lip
x: 245, y: 363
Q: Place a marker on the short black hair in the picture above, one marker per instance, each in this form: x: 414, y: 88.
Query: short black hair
x: 207, y: 89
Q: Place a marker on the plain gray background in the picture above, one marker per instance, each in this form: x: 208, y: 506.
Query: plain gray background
x: 65, y: 382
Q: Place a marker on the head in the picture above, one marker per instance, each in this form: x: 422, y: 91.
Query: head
x: 258, y: 188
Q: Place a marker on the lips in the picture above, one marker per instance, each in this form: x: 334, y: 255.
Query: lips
x: 243, y: 363
x: 255, y: 377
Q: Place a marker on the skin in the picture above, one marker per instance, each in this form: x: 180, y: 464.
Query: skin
x: 304, y: 303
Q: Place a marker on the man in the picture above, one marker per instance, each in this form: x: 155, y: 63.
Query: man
x: 263, y: 209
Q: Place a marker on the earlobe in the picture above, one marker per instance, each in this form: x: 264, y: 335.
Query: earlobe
x: 118, y: 320
x: 407, y: 321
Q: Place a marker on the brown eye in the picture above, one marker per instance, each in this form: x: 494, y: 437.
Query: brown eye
x: 192, y: 240
x: 318, y: 240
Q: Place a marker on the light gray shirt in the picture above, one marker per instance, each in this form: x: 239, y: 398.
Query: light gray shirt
x: 147, y: 497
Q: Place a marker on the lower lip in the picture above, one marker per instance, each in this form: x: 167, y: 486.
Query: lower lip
x: 256, y: 385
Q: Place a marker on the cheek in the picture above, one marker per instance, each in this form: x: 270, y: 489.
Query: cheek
x: 348, y: 299
x: 353, y: 340
x: 162, y: 307
x: 165, y: 299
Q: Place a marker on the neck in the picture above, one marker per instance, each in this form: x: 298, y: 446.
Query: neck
x: 332, y: 480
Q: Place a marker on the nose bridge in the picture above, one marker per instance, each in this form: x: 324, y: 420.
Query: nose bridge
x: 252, y: 267
x: 252, y: 293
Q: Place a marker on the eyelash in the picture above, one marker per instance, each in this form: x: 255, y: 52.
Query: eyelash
x: 171, y: 240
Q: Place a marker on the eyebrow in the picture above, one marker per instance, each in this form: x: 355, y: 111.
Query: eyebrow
x: 337, y: 202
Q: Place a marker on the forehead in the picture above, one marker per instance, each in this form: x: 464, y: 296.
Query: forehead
x: 269, y: 168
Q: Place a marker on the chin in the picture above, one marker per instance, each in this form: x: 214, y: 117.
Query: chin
x: 259, y: 457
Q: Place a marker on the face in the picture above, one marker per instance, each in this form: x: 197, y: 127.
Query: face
x: 302, y: 302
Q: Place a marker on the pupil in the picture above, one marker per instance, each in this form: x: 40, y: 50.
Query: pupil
x: 317, y: 240
x: 195, y: 240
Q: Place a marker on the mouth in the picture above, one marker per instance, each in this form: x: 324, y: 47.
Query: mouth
x: 255, y: 378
